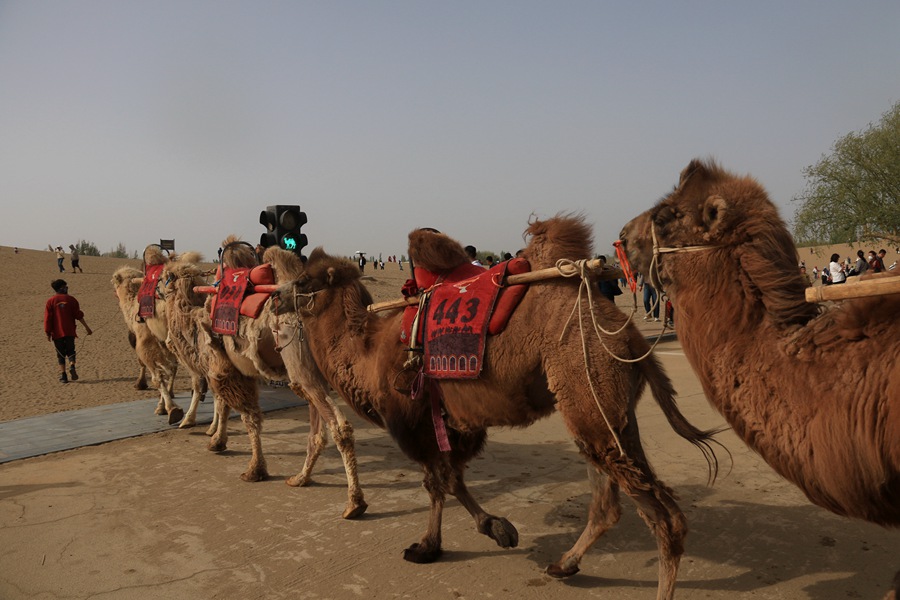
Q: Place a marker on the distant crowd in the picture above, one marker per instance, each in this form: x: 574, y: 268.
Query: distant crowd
x: 837, y: 271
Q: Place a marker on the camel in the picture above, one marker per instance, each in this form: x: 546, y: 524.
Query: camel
x: 536, y: 365
x: 152, y: 353
x: 826, y: 414
x: 270, y: 347
x: 151, y: 334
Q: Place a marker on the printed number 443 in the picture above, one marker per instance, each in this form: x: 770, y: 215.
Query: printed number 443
x: 442, y: 312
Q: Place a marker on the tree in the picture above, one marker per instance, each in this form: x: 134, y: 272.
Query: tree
x: 86, y: 248
x: 119, y: 252
x: 853, y: 193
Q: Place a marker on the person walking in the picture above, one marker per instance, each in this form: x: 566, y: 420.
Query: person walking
x: 651, y: 299
x: 60, y: 315
x: 76, y: 259
x: 60, y: 258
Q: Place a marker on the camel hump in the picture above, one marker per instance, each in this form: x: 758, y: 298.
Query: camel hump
x: 434, y: 251
x: 563, y: 236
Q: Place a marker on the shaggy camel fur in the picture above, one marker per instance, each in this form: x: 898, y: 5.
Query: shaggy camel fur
x: 826, y: 415
x: 535, y: 366
x: 151, y: 351
x: 235, y: 364
x: 272, y: 347
x: 126, y: 292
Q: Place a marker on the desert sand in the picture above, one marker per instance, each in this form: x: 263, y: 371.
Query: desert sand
x: 160, y: 516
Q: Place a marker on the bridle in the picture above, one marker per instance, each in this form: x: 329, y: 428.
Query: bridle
x: 658, y: 250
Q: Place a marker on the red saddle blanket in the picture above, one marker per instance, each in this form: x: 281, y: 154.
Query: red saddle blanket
x: 233, y: 300
x: 462, y: 308
x: 147, y: 292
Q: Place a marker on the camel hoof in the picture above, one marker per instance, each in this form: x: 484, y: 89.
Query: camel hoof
x: 501, y: 531
x: 216, y: 446
x: 355, y: 510
x: 187, y: 423
x: 252, y: 476
x: 558, y: 572
x: 211, y: 430
x: 160, y: 410
x: 298, y: 480
x: 140, y: 385
x: 175, y: 415
x: 419, y: 554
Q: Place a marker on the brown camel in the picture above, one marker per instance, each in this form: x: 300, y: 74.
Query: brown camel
x: 235, y: 364
x: 257, y: 352
x: 152, y: 353
x: 826, y: 413
x: 536, y: 365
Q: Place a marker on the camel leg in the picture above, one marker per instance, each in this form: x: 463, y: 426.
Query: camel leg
x: 664, y: 518
x: 141, y: 383
x: 654, y: 500
x: 315, y: 443
x: 198, y: 393
x: 233, y: 390
x: 604, y: 512
x: 166, y: 383
x: 428, y: 549
x: 256, y: 470
x: 219, y: 440
x: 497, y: 528
x: 321, y: 408
x: 342, y: 433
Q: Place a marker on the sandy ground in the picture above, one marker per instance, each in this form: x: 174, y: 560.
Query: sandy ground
x: 160, y: 516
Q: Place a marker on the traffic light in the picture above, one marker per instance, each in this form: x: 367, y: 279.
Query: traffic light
x: 283, y: 223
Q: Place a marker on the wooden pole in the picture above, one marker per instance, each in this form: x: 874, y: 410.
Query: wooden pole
x: 263, y: 288
x: 859, y: 289
x: 605, y: 273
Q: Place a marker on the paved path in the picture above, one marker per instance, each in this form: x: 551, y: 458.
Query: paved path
x: 35, y: 436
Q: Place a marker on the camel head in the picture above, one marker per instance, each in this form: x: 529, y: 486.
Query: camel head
x: 124, y: 285
x: 720, y: 226
x: 286, y: 264
x: 710, y: 208
x: 181, y: 274
x: 326, y: 281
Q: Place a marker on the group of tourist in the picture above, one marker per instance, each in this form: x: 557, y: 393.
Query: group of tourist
x: 839, y: 270
x: 61, y: 258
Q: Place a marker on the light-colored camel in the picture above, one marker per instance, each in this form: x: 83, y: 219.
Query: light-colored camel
x: 124, y: 282
x: 814, y: 390
x: 538, y: 364
x: 236, y: 364
x: 152, y: 353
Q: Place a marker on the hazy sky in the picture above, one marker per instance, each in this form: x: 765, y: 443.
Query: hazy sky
x: 130, y: 121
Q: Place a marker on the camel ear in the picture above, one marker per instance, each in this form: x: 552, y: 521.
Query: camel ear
x: 330, y: 277
x: 696, y: 167
x: 715, y: 209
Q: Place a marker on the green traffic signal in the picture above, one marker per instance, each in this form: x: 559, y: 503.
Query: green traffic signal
x: 283, y: 224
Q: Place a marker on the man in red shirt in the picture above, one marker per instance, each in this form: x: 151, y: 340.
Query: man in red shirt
x: 60, y: 314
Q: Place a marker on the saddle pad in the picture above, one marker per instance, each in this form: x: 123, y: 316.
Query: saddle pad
x: 456, y: 323
x: 147, y: 293
x: 253, y: 304
x: 226, y: 311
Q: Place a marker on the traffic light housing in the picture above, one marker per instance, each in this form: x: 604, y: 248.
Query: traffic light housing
x: 283, y: 223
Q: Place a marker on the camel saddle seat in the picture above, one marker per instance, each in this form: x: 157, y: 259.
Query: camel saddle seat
x: 147, y: 291
x: 460, y: 308
x: 235, y: 296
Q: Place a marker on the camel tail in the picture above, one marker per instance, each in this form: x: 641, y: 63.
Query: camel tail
x: 664, y: 394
